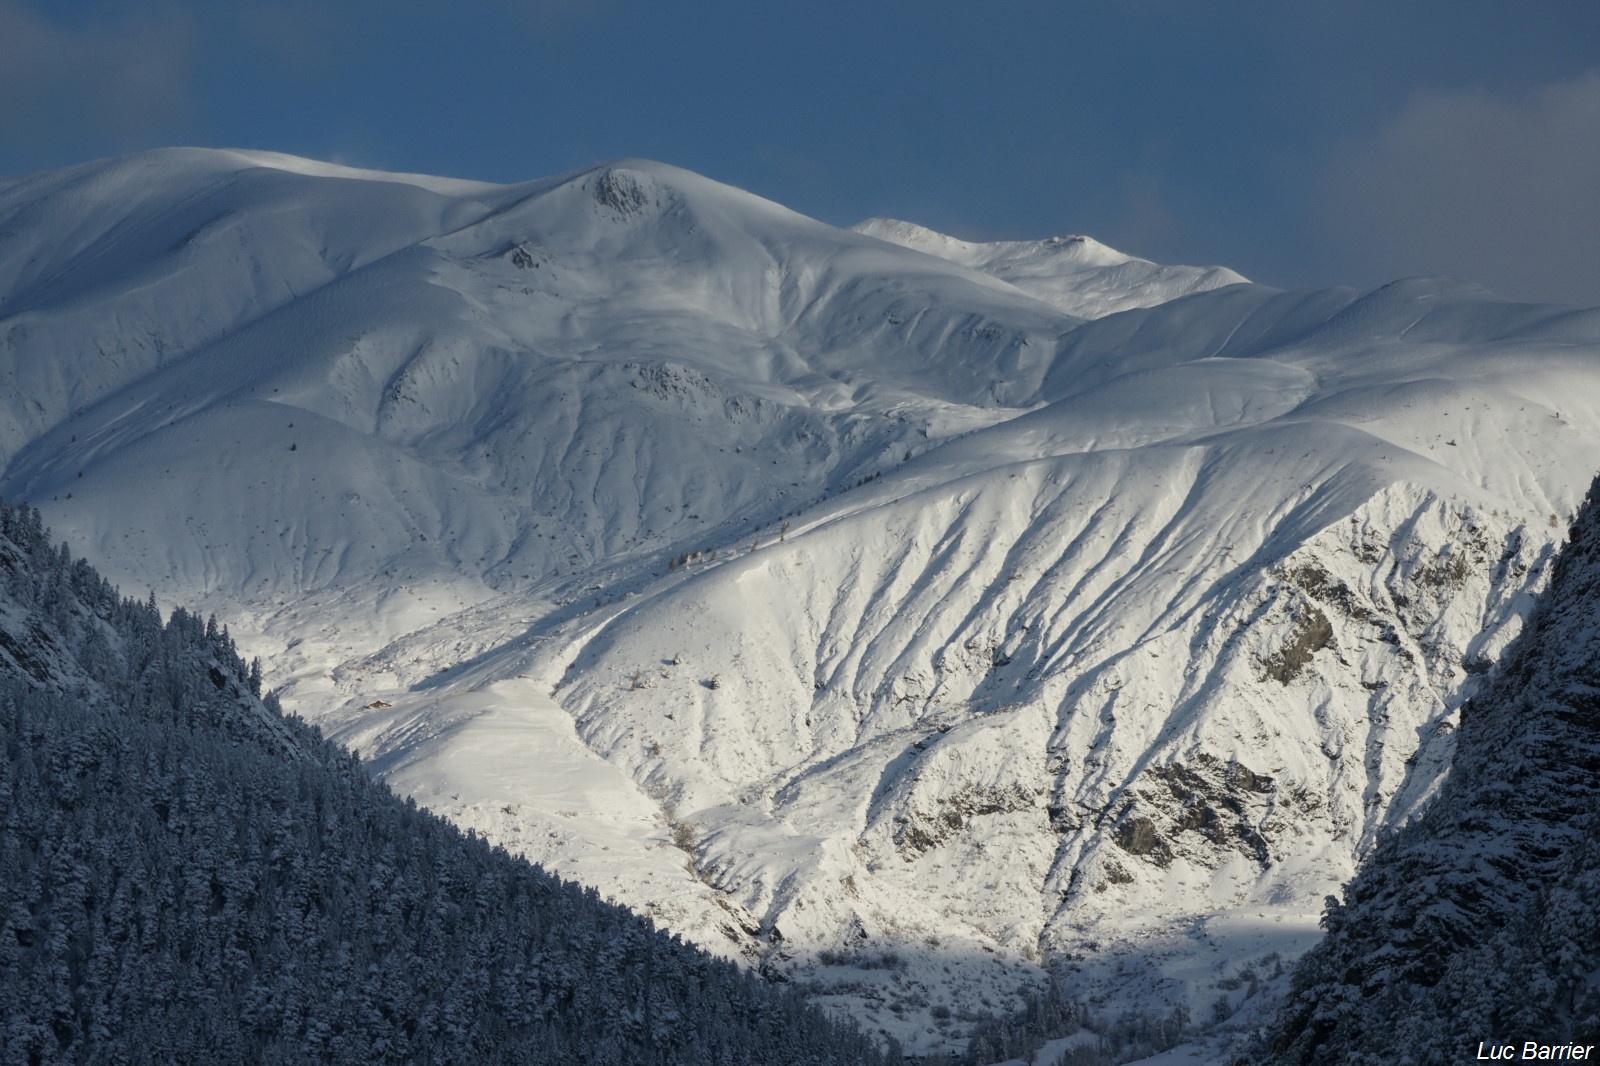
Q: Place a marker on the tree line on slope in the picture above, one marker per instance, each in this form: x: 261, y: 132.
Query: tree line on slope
x: 1055, y: 1012
x: 188, y: 876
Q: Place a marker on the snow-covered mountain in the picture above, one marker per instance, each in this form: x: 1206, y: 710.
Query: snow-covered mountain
x: 829, y: 597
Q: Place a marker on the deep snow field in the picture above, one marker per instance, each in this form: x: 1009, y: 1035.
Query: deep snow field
x: 898, y: 613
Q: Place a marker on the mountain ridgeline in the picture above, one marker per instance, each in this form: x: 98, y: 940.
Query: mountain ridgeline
x: 187, y: 876
x: 1480, y: 921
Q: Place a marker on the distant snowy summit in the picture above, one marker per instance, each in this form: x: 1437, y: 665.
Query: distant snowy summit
x: 1078, y: 275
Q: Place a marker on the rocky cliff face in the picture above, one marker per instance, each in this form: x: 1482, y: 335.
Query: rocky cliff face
x: 1480, y: 921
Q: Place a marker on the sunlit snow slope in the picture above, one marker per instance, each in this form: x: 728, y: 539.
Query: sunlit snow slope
x: 1079, y: 275
x: 823, y: 595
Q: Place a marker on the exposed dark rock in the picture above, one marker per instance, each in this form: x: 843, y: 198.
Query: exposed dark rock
x: 1312, y: 633
x: 918, y: 834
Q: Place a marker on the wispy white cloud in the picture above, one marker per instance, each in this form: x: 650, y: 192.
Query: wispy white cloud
x: 110, y: 83
x: 1503, y: 190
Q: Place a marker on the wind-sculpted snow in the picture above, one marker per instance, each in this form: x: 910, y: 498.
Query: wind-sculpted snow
x: 823, y: 597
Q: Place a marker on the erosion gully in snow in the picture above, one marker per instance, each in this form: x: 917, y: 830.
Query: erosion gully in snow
x: 899, y: 614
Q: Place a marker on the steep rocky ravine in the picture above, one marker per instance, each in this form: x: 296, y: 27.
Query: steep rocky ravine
x: 1480, y: 921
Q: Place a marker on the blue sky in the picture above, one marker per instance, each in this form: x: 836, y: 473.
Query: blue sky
x: 1300, y: 143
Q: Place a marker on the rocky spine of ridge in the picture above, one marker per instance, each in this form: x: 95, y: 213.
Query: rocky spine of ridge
x: 1480, y: 921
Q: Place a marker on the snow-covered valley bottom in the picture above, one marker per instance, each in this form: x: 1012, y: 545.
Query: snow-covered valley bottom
x: 909, y: 618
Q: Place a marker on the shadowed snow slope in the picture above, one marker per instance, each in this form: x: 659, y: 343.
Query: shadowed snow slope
x: 819, y: 595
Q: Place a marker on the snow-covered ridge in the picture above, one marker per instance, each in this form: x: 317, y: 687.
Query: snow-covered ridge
x: 316, y: 168
x: 1076, y: 274
x: 820, y: 596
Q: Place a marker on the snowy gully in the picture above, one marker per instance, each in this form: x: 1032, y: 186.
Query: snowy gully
x: 1533, y: 1050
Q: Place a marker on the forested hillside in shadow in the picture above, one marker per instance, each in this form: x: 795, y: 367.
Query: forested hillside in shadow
x: 187, y: 876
